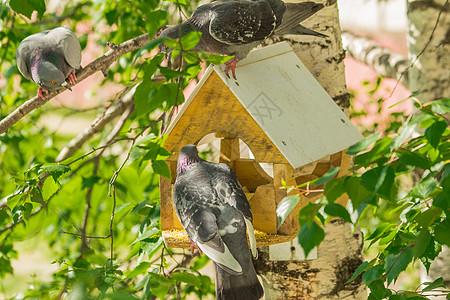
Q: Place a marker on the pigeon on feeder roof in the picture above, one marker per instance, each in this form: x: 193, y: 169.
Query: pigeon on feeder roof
x: 213, y: 209
x: 234, y: 27
x: 49, y: 57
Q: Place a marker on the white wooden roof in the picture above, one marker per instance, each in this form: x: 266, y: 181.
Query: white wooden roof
x: 288, y: 103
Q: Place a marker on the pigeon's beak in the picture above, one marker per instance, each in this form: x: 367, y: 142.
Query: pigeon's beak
x: 66, y: 85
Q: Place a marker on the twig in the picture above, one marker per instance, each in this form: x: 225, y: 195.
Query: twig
x: 86, y: 212
x: 100, y: 64
x: 86, y: 236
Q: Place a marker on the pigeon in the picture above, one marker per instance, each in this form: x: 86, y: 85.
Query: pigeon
x: 214, y: 211
x: 49, y: 57
x: 234, y: 27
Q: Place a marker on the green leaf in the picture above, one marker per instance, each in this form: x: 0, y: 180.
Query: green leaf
x: 161, y: 167
x: 169, y: 73
x: 146, y: 98
x: 188, y: 278
x: 56, y: 170
x: 310, y: 236
x: 422, y: 242
x: 150, y: 248
x: 362, y: 267
x: 427, y: 217
x: 140, y: 269
x: 396, y: 263
x: 334, y: 189
x: 424, y: 188
x: 182, y: 2
x: 88, y: 182
x: 13, y: 200
x: 434, y: 285
x: 49, y: 188
x: 337, y: 210
x: 434, y: 133
x: 149, y: 46
x: 357, y: 193
x: 149, y: 233
x: 441, y: 106
x: 190, y: 40
x: 414, y: 159
x: 327, y: 176
x: 379, y: 150
x: 397, y: 297
x: 442, y: 233
x: 403, y: 134
x: 307, y: 213
x: 285, y: 207
x: 442, y: 200
x: 363, y: 145
x: 377, y: 290
x: 372, y: 274
x: 26, y: 7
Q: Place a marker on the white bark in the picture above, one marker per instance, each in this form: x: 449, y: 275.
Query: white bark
x: 429, y: 48
x: 384, y: 61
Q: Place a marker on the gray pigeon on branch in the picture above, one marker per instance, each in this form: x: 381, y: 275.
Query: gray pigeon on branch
x: 49, y: 57
x: 234, y: 27
x: 214, y: 210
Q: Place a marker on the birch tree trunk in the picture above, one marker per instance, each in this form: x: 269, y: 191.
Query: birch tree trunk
x: 340, y: 253
x: 429, y: 48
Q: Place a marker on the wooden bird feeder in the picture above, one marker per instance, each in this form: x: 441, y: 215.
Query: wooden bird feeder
x: 286, y: 119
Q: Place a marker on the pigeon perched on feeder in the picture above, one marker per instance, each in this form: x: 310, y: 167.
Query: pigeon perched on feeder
x: 213, y: 209
x: 49, y: 57
x: 234, y: 27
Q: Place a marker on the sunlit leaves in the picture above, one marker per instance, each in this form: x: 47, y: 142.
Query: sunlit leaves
x: 285, y: 207
x: 26, y: 7
x: 56, y: 170
x: 363, y: 144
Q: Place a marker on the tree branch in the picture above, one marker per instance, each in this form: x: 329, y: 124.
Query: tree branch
x: 383, y: 60
x: 100, y: 64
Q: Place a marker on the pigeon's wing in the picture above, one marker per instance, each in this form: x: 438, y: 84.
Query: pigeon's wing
x: 230, y: 191
x: 23, y: 59
x: 64, y: 40
x: 238, y: 22
x: 194, y: 205
x: 25, y: 49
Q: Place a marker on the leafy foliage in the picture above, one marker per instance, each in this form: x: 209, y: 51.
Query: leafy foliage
x: 419, y: 226
x: 98, y: 209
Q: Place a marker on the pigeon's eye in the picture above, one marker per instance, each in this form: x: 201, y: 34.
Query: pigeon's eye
x: 53, y: 81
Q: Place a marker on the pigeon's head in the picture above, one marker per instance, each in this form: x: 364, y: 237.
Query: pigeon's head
x: 48, y: 76
x: 188, y: 158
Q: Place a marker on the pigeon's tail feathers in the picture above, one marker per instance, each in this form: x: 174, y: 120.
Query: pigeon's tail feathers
x: 299, y: 29
x: 237, y: 287
x: 296, y: 13
x: 251, y: 237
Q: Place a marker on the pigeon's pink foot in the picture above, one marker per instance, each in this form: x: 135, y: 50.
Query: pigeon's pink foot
x: 231, y: 64
x: 41, y: 92
x: 193, y: 246
x: 72, y: 78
